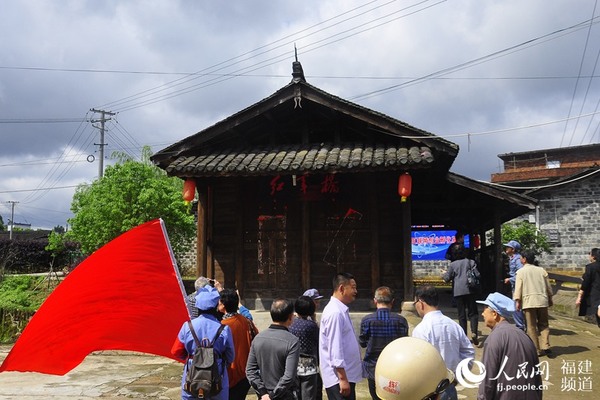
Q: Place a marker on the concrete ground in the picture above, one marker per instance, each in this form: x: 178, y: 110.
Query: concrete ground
x: 574, y: 372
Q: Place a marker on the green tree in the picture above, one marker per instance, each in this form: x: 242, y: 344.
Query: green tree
x: 129, y: 194
x: 527, y: 235
x: 2, y: 227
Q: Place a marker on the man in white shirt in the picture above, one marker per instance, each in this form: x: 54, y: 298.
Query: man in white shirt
x: 339, y: 351
x: 443, y: 333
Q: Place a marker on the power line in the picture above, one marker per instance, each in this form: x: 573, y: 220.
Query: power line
x: 39, y: 189
x: 52, y: 173
x: 42, y: 120
x: 585, y: 49
x: 543, y: 186
x: 260, y: 64
x: 480, y: 60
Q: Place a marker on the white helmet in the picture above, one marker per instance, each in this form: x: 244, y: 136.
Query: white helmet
x: 411, y: 369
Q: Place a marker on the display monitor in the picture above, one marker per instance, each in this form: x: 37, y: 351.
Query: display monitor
x: 432, y: 244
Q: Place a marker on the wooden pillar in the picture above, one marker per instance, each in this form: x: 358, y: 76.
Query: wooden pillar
x: 239, y: 240
x: 210, y: 264
x: 201, y: 269
x: 374, y: 228
x: 407, y: 251
x: 305, y: 273
x: 498, y: 273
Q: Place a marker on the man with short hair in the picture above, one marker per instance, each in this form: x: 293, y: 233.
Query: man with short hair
x: 339, y: 352
x: 512, y: 249
x: 443, y: 333
x: 191, y: 298
x: 273, y: 359
x: 533, y: 295
x: 508, y: 351
x: 378, y: 329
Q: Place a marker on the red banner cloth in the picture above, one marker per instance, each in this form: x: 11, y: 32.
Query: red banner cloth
x: 128, y: 295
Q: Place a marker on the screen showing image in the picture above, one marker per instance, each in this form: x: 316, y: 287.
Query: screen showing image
x: 432, y: 244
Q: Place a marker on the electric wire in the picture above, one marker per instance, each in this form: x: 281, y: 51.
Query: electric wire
x: 492, y: 56
x: 269, y: 61
x: 557, y: 184
x: 238, y: 59
x: 585, y: 49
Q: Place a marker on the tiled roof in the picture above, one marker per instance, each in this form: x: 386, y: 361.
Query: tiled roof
x: 299, y: 158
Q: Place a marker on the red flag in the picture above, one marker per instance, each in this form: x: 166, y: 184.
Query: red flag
x: 128, y: 295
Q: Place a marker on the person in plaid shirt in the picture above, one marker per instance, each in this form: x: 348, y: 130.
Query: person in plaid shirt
x: 378, y: 329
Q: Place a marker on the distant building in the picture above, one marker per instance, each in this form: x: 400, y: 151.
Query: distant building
x: 566, y: 182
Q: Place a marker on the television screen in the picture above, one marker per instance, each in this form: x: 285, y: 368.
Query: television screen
x: 432, y: 244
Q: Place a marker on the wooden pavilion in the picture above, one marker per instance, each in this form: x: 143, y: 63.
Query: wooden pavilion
x: 304, y: 184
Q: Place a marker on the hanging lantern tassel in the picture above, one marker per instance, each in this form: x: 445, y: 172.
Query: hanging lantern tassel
x: 189, y: 190
x: 404, y: 186
x: 476, y: 241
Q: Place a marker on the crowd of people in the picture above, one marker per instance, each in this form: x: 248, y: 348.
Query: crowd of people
x: 299, y: 357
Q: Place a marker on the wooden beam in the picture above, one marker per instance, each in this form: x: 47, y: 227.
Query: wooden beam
x: 305, y: 273
x: 210, y: 262
x: 407, y: 251
x: 374, y: 228
x: 498, y: 273
x: 201, y: 234
x: 239, y: 241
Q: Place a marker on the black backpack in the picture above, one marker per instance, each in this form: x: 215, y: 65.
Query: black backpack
x: 203, y: 377
x: 472, y: 279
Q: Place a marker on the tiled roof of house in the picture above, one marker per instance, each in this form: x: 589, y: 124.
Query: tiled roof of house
x: 299, y: 158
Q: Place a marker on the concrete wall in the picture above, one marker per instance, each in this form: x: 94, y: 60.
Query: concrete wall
x: 187, y: 261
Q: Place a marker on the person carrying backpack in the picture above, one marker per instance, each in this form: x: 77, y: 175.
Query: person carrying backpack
x: 206, y: 327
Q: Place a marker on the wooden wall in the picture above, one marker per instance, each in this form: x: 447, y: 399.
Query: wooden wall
x: 257, y: 226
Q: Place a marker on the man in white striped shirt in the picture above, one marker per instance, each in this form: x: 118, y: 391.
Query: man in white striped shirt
x: 339, y: 352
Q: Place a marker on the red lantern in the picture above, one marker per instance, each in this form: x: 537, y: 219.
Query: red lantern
x: 189, y: 190
x: 476, y: 241
x: 404, y: 186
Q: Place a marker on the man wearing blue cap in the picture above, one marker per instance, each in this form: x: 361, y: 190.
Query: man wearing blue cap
x: 509, y: 356
x: 205, y: 327
x: 512, y: 249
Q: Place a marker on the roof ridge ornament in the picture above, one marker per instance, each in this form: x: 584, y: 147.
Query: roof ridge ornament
x: 297, y: 71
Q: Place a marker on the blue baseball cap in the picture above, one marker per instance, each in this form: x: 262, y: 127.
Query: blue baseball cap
x: 503, y: 305
x: 207, y: 298
x: 513, y: 244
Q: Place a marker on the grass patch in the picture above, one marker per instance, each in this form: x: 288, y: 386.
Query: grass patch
x: 23, y: 293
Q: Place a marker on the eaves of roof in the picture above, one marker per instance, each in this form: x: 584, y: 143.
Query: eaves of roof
x: 493, y: 190
x: 300, y: 158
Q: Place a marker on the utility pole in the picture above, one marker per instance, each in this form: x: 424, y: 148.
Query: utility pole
x: 102, y: 120
x: 12, y: 218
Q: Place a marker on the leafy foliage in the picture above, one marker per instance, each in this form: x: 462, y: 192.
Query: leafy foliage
x: 65, y: 253
x: 527, y: 235
x: 20, y: 297
x: 24, y: 255
x: 129, y: 194
x: 22, y: 292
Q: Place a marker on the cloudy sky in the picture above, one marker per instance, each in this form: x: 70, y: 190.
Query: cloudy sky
x: 492, y: 76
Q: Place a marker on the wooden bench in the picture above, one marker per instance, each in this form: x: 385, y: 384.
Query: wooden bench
x: 431, y: 281
x: 559, y: 279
